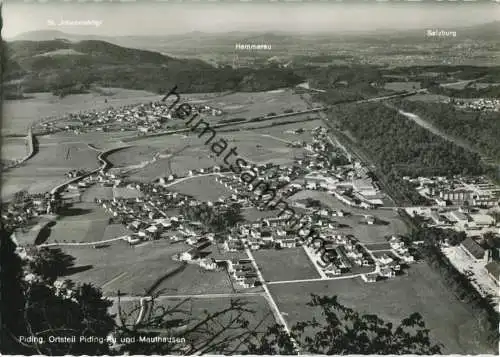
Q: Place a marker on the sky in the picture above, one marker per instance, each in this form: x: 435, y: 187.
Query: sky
x: 166, y: 18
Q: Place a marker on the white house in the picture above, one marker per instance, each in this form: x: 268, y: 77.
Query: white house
x: 387, y: 272
x: 396, y: 243
x: 385, y: 259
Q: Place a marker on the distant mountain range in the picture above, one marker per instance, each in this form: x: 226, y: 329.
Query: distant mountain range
x: 485, y: 31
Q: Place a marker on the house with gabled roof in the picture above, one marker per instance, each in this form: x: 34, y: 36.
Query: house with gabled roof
x: 474, y: 250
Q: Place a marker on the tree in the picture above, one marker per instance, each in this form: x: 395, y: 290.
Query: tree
x: 50, y: 263
x: 12, y: 297
x: 345, y: 331
x: 35, y: 305
x: 496, y: 216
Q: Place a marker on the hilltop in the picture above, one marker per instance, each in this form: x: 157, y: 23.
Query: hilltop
x: 63, y: 65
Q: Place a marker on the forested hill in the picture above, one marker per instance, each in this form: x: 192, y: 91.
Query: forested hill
x: 60, y: 64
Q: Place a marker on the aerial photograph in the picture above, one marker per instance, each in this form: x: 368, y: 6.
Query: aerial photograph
x: 250, y: 178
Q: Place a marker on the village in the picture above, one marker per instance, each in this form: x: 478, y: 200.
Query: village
x: 150, y: 211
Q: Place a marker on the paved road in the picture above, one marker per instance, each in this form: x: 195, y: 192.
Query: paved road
x: 314, y: 262
x: 189, y: 178
x: 82, y: 244
x: 193, y: 296
x: 276, y: 311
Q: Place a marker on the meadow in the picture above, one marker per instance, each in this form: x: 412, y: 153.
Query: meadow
x: 203, y: 188
x: 285, y: 264
x: 147, y: 267
x: 255, y: 104
x: 14, y: 148
x: 131, y: 269
x: 402, y: 86
x: 47, y: 168
x: 450, y: 321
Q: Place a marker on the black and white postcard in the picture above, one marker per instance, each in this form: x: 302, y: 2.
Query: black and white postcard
x: 226, y: 177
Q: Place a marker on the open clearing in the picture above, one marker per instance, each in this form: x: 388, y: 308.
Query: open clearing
x: 203, y: 188
x: 133, y: 155
x: 143, y: 265
x: 147, y: 266
x: 250, y: 105
x: 450, y: 321
x: 84, y: 223
x: 14, y: 148
x: 285, y: 264
x: 401, y: 86
x: 428, y: 97
x: 47, y: 168
x: 285, y: 131
x: 195, y: 280
x: 97, y: 191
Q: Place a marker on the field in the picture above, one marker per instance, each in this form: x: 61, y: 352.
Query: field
x: 97, y: 191
x: 252, y: 214
x: 77, y: 231
x: 262, y: 148
x: 194, y: 280
x: 250, y: 105
x: 46, y: 169
x: 182, y: 160
x: 285, y: 264
x: 132, y: 270
x: 366, y: 233
x: 124, y: 192
x: 363, y: 232
x: 135, y: 270
x: 285, y: 131
x: 203, y: 188
x: 400, y: 86
x: 14, y: 148
x: 428, y: 97
x: 134, y: 155
x: 28, y: 235
x: 450, y: 321
x: 82, y: 223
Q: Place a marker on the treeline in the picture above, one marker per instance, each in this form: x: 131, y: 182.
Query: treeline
x: 484, y: 308
x: 480, y: 129
x: 470, y: 91
x: 401, y: 147
x: 160, y: 80
x: 463, y: 72
x: 345, y: 83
